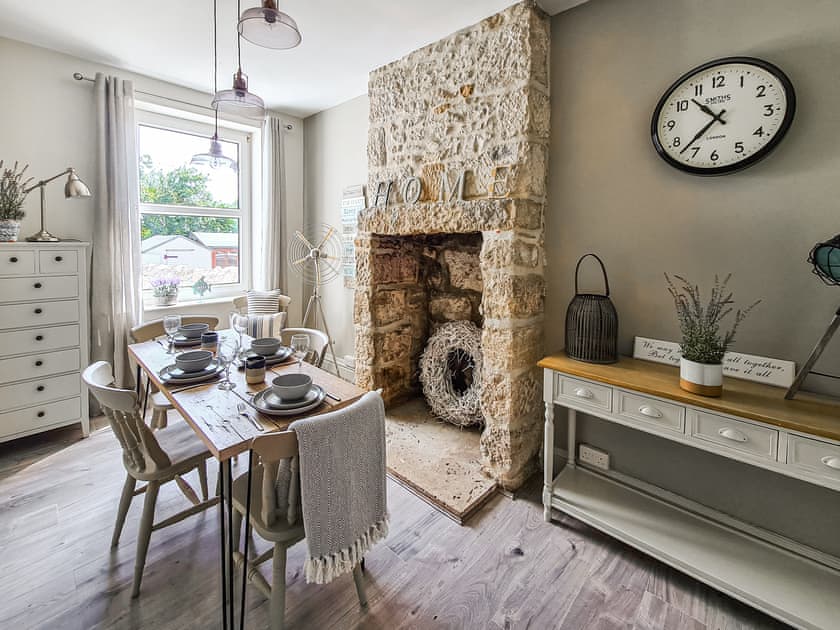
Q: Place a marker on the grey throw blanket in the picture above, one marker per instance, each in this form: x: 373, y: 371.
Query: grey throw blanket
x: 342, y: 481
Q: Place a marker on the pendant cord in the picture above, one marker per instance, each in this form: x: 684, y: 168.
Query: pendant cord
x: 215, y: 68
x: 238, y: 36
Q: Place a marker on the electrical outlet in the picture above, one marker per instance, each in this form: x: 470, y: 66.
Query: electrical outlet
x: 594, y: 457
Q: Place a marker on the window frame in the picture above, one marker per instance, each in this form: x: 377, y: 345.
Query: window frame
x: 172, y: 121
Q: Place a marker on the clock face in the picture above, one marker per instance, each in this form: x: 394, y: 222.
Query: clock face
x: 723, y: 116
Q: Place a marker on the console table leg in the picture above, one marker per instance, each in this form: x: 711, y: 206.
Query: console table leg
x: 548, y: 460
x: 572, y: 434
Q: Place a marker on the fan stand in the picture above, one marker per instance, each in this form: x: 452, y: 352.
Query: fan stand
x: 315, y: 306
x: 807, y: 368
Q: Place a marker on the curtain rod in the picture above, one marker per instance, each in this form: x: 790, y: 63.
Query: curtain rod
x: 80, y: 77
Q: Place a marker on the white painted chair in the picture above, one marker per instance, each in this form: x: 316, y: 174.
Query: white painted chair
x: 151, y: 330
x: 275, y: 516
x: 318, y: 341
x: 240, y: 304
x: 154, y: 457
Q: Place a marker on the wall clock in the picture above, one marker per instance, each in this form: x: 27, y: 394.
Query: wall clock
x: 723, y: 116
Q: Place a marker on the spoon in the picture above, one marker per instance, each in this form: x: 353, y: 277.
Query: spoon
x: 243, y: 411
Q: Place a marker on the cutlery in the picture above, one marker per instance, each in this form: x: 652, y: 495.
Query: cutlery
x: 183, y: 389
x: 243, y: 411
x: 335, y: 398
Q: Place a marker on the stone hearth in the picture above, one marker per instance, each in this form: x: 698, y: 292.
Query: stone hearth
x: 457, y: 162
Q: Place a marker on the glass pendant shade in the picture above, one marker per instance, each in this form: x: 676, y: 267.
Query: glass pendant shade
x: 215, y: 157
x: 267, y: 27
x: 239, y: 100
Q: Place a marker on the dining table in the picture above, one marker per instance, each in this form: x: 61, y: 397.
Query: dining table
x: 214, y: 414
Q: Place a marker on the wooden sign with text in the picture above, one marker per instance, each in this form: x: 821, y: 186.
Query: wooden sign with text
x: 735, y: 364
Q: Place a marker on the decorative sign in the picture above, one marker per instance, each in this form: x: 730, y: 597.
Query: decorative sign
x: 735, y: 364
x: 411, y: 189
x: 352, y: 202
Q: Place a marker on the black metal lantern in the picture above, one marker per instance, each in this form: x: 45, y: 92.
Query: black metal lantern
x: 592, y: 323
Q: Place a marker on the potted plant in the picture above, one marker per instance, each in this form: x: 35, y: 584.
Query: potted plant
x: 12, y: 195
x: 165, y: 290
x: 703, y: 344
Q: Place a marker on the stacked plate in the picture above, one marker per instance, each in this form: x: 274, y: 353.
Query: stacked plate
x: 186, y: 342
x: 271, y: 404
x: 176, y: 376
x: 282, y: 354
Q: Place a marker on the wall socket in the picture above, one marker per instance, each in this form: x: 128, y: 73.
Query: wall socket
x: 594, y: 457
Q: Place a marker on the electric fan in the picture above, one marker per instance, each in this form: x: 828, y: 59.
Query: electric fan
x: 315, y: 254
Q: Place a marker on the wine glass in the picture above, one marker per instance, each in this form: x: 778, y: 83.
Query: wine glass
x: 228, y: 353
x: 171, y: 324
x: 239, y: 324
x: 300, y: 344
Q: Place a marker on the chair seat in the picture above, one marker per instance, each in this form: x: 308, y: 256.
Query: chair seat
x: 159, y: 401
x: 182, y: 446
x: 279, y: 530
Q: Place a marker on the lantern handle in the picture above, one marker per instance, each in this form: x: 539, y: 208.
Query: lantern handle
x: 603, y: 270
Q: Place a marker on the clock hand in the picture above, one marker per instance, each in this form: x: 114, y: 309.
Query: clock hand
x: 708, y: 110
x: 703, y: 130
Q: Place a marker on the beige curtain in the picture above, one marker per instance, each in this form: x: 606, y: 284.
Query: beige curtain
x: 270, y: 264
x: 115, y: 274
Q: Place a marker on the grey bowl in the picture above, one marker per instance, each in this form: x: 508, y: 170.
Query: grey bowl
x: 194, y: 361
x: 291, y: 386
x: 193, y: 331
x: 265, y: 346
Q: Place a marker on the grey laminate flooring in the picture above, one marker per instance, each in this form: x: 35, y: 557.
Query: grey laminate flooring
x: 505, y: 569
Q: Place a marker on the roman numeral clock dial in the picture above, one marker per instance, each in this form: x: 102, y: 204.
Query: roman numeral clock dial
x: 723, y: 116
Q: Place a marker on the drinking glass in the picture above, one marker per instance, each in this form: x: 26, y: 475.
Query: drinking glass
x: 239, y: 324
x: 228, y: 353
x: 300, y: 344
x: 171, y: 324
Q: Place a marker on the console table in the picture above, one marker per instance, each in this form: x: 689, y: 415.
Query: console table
x: 751, y: 423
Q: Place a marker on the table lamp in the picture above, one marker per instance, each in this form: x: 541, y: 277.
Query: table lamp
x: 73, y: 187
x: 825, y: 258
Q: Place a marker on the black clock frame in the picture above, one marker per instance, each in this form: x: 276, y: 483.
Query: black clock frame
x: 790, y: 96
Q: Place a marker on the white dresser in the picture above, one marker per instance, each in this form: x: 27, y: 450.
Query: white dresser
x: 43, y: 337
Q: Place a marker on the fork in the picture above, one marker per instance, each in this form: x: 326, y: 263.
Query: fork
x: 242, y: 408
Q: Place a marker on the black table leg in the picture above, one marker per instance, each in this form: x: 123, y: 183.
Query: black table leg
x: 223, y: 465
x: 146, y: 397
x: 247, y: 519
x: 230, y: 577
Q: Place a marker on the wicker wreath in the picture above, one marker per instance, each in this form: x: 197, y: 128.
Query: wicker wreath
x: 453, y: 354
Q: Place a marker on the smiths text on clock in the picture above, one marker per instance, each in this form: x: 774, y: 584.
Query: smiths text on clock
x: 723, y: 116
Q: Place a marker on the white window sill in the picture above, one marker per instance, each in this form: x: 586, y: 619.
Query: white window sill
x: 152, y: 307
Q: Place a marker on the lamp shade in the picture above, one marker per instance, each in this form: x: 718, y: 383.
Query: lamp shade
x: 214, y: 158
x: 268, y: 27
x: 239, y: 100
x: 826, y: 260
x: 75, y: 187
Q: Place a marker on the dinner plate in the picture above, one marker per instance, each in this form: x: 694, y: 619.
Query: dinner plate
x: 310, y: 401
x: 185, y: 342
x: 174, y: 374
x: 280, y: 356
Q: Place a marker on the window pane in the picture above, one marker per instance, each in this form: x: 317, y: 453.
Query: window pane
x: 167, y: 177
x: 189, y: 248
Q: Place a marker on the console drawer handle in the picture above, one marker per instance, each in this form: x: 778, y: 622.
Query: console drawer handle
x: 58, y: 259
x: 650, y: 412
x: 40, y: 388
x: 39, y: 337
x: 38, y: 311
x: 37, y: 285
x: 732, y: 434
x: 41, y: 414
x: 831, y: 461
x: 13, y: 259
x: 39, y: 363
x: 582, y: 392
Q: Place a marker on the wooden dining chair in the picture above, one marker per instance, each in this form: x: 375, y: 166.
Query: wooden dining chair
x: 275, y: 515
x: 240, y: 304
x: 152, y: 330
x: 318, y: 341
x: 154, y: 457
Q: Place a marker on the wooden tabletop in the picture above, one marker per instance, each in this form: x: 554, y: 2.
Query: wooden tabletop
x: 806, y: 413
x: 212, y: 412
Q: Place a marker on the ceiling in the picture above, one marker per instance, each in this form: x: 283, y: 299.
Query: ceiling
x: 342, y: 40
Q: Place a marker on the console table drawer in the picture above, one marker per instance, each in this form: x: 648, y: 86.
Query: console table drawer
x: 651, y: 411
x: 32, y: 418
x: 45, y: 288
x: 39, y: 314
x: 14, y: 263
x: 39, y: 365
x: 58, y: 262
x: 38, y: 339
x: 583, y: 393
x: 734, y: 435
x: 814, y: 456
x: 40, y: 390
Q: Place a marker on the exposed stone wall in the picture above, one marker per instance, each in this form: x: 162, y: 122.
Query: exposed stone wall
x: 476, y: 101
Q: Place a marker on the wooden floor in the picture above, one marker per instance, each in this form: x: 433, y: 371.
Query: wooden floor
x: 505, y: 569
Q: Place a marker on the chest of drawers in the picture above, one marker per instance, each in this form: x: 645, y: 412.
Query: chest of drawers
x: 43, y: 337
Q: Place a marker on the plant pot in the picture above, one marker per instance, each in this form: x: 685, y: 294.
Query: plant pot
x: 701, y: 378
x: 166, y: 300
x: 9, y: 230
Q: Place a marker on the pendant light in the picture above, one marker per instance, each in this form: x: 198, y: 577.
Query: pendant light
x: 268, y: 27
x: 214, y: 158
x: 239, y: 100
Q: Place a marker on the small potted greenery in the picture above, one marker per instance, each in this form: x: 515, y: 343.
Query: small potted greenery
x: 12, y: 195
x: 703, y: 344
x: 165, y: 290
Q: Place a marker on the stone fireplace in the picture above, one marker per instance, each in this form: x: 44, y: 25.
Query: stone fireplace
x: 457, y: 163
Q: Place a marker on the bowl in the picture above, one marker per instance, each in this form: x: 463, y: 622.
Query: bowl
x: 194, y: 360
x: 265, y: 346
x: 193, y: 331
x: 291, y: 386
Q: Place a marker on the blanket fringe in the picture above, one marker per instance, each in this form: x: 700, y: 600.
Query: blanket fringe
x: 325, y: 569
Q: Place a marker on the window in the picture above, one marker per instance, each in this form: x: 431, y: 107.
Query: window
x: 195, y: 220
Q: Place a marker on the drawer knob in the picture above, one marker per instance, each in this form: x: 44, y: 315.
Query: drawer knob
x: 650, y: 412
x: 58, y: 259
x: 831, y: 461
x: 39, y: 363
x: 732, y: 434
x: 41, y: 414
x: 40, y: 388
x: 39, y: 337
x: 13, y: 259
x: 38, y: 311
x: 37, y: 285
x: 582, y: 392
